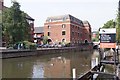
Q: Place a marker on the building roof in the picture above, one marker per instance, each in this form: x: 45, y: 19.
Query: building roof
x: 86, y: 24
x: 29, y: 18
x: 63, y: 18
x: 38, y: 29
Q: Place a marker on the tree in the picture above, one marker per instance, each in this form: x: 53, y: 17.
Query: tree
x: 15, y: 25
x: 118, y: 26
x: 96, y: 39
x: 45, y: 39
x: 109, y: 24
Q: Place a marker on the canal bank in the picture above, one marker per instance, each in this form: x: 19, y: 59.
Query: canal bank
x: 40, y: 51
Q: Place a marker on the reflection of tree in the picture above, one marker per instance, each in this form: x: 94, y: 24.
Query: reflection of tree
x: 1, y: 68
x: 16, y: 68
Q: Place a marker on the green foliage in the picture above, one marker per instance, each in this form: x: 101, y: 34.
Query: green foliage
x: 15, y: 25
x: 32, y: 46
x: 96, y: 39
x: 112, y: 24
x: 118, y: 27
x: 67, y: 44
x: 29, y: 45
x: 45, y: 39
x: 109, y: 24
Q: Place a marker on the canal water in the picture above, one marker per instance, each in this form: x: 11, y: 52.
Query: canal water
x: 49, y: 66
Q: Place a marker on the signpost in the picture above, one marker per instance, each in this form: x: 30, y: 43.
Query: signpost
x: 108, y: 38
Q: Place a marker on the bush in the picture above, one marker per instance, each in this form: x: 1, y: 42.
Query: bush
x: 67, y: 45
x: 32, y: 46
x: 29, y: 45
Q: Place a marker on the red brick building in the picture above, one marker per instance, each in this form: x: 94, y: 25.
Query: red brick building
x: 68, y: 29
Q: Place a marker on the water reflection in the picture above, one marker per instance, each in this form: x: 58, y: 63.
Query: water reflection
x: 49, y: 66
x: 0, y: 68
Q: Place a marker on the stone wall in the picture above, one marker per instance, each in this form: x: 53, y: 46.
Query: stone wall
x: 42, y: 51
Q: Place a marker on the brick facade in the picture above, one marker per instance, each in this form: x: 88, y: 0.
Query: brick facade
x: 67, y: 28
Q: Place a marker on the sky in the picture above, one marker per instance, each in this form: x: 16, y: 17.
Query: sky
x: 97, y: 12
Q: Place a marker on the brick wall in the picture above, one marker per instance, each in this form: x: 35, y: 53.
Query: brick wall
x: 75, y: 31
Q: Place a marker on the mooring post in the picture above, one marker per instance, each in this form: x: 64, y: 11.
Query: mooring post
x: 96, y: 60
x: 115, y: 59
x: 74, y: 73
x: 117, y: 55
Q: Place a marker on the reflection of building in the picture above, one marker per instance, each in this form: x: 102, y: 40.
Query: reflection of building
x: 81, y: 61
x: 38, y: 35
x: 57, y: 68
x: 61, y: 67
x: 67, y: 28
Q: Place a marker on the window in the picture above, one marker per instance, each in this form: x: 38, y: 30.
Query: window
x: 63, y: 26
x: 72, y: 33
x: 49, y: 27
x: 64, y: 18
x: 63, y: 40
x: 78, y: 34
x: 48, y: 33
x: 78, y: 28
x: 63, y: 32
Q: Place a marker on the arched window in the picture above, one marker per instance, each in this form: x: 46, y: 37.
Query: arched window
x: 63, y: 40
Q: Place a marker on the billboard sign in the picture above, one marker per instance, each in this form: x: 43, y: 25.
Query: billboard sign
x: 107, y: 38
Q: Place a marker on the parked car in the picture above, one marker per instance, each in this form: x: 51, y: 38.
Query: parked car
x: 45, y: 45
x: 51, y: 45
x: 40, y: 45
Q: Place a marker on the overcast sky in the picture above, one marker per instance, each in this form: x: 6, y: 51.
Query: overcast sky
x: 97, y: 12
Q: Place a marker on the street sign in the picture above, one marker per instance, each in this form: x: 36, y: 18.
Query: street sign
x: 108, y: 38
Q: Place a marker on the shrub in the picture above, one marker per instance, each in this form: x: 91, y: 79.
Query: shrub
x: 67, y: 45
x: 32, y: 46
x: 29, y: 45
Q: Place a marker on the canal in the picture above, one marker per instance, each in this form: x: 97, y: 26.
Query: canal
x: 50, y: 66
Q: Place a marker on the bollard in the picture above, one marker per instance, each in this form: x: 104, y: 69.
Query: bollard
x: 96, y: 61
x: 74, y: 73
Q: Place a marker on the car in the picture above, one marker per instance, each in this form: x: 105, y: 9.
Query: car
x: 45, y: 45
x: 51, y: 45
x: 40, y: 45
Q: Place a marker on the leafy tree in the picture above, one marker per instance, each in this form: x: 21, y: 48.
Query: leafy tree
x: 15, y: 25
x: 118, y: 26
x: 109, y: 24
x: 96, y: 39
x: 45, y: 39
